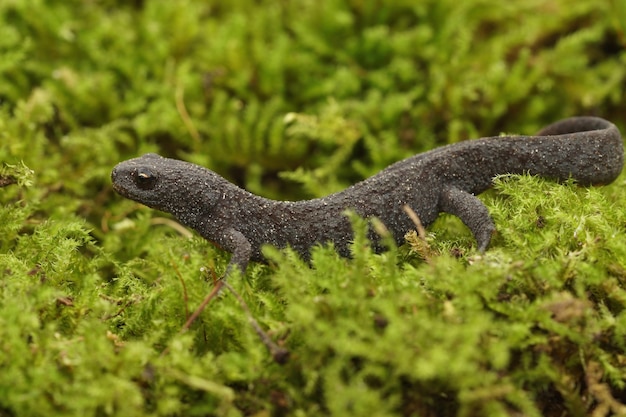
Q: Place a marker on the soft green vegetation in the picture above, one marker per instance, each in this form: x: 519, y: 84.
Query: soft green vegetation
x: 293, y: 100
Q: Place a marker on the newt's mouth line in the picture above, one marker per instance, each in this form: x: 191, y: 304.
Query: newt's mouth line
x: 119, y: 189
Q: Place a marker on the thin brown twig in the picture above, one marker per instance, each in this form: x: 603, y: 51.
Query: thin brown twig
x: 280, y: 355
x: 202, y: 306
x: 122, y: 309
x: 172, y: 224
x: 184, y: 114
x: 182, y: 282
x: 422, y: 247
x: 421, y: 231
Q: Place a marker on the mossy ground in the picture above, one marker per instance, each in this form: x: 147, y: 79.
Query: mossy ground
x: 294, y: 100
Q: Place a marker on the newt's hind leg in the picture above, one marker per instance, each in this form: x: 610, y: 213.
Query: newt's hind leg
x: 471, y: 211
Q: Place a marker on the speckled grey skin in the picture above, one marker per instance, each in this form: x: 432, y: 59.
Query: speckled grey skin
x: 446, y: 179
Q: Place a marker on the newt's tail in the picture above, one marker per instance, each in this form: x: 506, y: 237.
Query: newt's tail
x: 598, y: 148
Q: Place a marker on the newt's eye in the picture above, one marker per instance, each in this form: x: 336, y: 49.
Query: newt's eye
x: 146, y: 179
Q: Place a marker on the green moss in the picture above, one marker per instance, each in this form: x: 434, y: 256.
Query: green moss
x: 292, y: 100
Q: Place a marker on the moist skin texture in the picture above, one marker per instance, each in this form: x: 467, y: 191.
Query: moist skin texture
x: 447, y: 179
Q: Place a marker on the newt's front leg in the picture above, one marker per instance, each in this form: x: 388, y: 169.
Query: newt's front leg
x: 471, y: 211
x: 235, y: 242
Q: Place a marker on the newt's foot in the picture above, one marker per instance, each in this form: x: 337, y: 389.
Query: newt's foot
x: 483, y: 236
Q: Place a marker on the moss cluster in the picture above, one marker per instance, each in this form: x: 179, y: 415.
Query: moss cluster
x: 293, y: 100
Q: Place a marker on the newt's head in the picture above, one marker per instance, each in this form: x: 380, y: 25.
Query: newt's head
x: 177, y: 187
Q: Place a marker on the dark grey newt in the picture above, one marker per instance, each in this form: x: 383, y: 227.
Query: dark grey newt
x: 446, y: 179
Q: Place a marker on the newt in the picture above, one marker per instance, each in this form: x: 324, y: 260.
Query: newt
x: 447, y: 179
